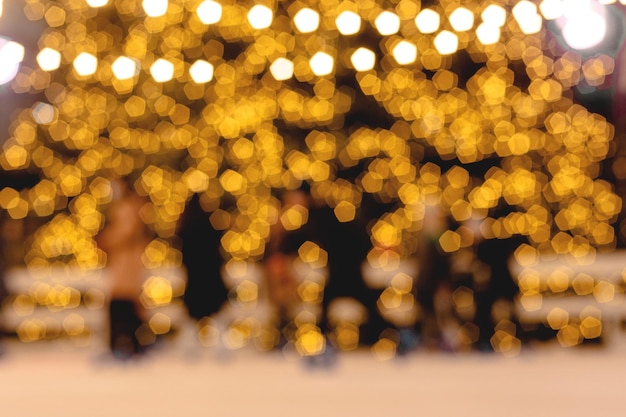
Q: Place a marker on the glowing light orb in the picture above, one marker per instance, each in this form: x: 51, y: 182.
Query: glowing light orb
x: 363, y: 59
x: 387, y: 23
x: 584, y: 31
x: 282, y: 69
x: 348, y: 23
x: 97, y: 3
x: 428, y: 21
x: 260, y: 17
x: 529, y: 21
x: 209, y: 12
x: 11, y: 55
x: 307, y: 20
x: 584, y: 27
x: 43, y: 113
x: 124, y: 68
x: 49, y: 59
x: 551, y: 9
x: 322, y: 64
x: 162, y: 70
x: 85, y: 64
x: 488, y: 34
x: 462, y: 19
x: 155, y: 8
x: 446, y: 42
x: 494, y: 15
x: 201, y: 72
x: 404, y: 53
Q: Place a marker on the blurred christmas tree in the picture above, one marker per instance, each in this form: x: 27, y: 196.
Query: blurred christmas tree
x: 469, y: 108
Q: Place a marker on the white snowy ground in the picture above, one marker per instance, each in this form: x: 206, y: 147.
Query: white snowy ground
x: 58, y: 380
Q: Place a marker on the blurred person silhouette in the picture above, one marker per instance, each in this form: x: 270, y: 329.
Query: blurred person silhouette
x: 205, y: 292
x: 348, y: 244
x: 12, y: 236
x: 496, y: 290
x: 3, y: 268
x: 434, y: 289
x: 124, y: 238
x: 282, y: 279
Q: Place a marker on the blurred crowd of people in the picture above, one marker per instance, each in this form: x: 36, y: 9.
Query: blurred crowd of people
x: 430, y: 299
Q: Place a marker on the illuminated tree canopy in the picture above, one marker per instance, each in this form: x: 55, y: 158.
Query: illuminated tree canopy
x: 414, y: 104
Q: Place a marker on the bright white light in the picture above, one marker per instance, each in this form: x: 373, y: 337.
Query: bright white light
x: 12, y: 52
x: 551, y: 9
x: 155, y: 8
x: 322, y: 64
x: 573, y: 8
x: 487, y: 33
x: 282, y: 69
x: 97, y: 3
x: 526, y: 15
x: 524, y: 9
x: 209, y: 12
x: 307, y: 20
x: 446, y: 42
x: 387, y: 23
x: 124, y: 68
x: 1, y: 8
x: 260, y: 17
x: 348, y: 23
x: 85, y: 64
x: 494, y: 15
x: 49, y: 59
x: 201, y: 71
x: 462, y: 19
x: 404, y: 53
x: 584, y: 30
x: 363, y: 59
x: 162, y: 70
x: 532, y: 25
x: 428, y: 21
x: 11, y: 55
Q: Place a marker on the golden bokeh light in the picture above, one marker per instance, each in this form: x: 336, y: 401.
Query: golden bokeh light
x: 201, y: 71
x: 405, y: 52
x: 49, y: 59
x: 461, y: 19
x: 282, y: 69
x: 155, y: 8
x: 162, y: 70
x: 446, y: 42
x: 124, y: 68
x: 322, y: 64
x: 260, y: 16
x: 97, y: 3
x: 387, y: 23
x: 428, y: 21
x: 85, y: 64
x: 348, y: 23
x: 363, y: 59
x: 306, y: 20
x: 209, y: 12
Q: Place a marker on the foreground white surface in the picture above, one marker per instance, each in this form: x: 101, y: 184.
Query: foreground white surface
x: 59, y: 381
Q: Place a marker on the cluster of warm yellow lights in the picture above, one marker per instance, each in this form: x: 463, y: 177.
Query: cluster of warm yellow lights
x: 601, y: 291
x: 204, y: 96
x: 306, y: 20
